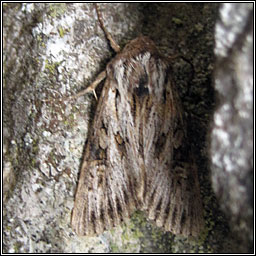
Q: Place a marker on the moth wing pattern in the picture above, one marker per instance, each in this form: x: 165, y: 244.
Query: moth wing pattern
x: 136, y: 155
x: 103, y: 197
x: 171, y: 193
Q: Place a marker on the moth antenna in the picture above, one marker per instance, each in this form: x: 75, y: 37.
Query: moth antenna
x: 113, y: 44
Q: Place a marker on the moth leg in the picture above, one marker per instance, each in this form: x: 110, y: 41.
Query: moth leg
x: 90, y: 88
x: 113, y: 44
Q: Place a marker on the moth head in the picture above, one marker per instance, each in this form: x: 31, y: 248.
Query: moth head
x: 140, y: 44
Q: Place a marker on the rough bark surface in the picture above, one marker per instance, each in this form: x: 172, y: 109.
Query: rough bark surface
x: 55, y: 50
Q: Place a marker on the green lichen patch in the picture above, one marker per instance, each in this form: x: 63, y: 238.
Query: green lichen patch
x: 62, y: 31
x: 56, y: 9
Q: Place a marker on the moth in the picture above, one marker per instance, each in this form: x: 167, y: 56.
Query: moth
x: 136, y: 155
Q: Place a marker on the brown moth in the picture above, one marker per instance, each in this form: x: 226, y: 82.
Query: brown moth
x: 137, y: 155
